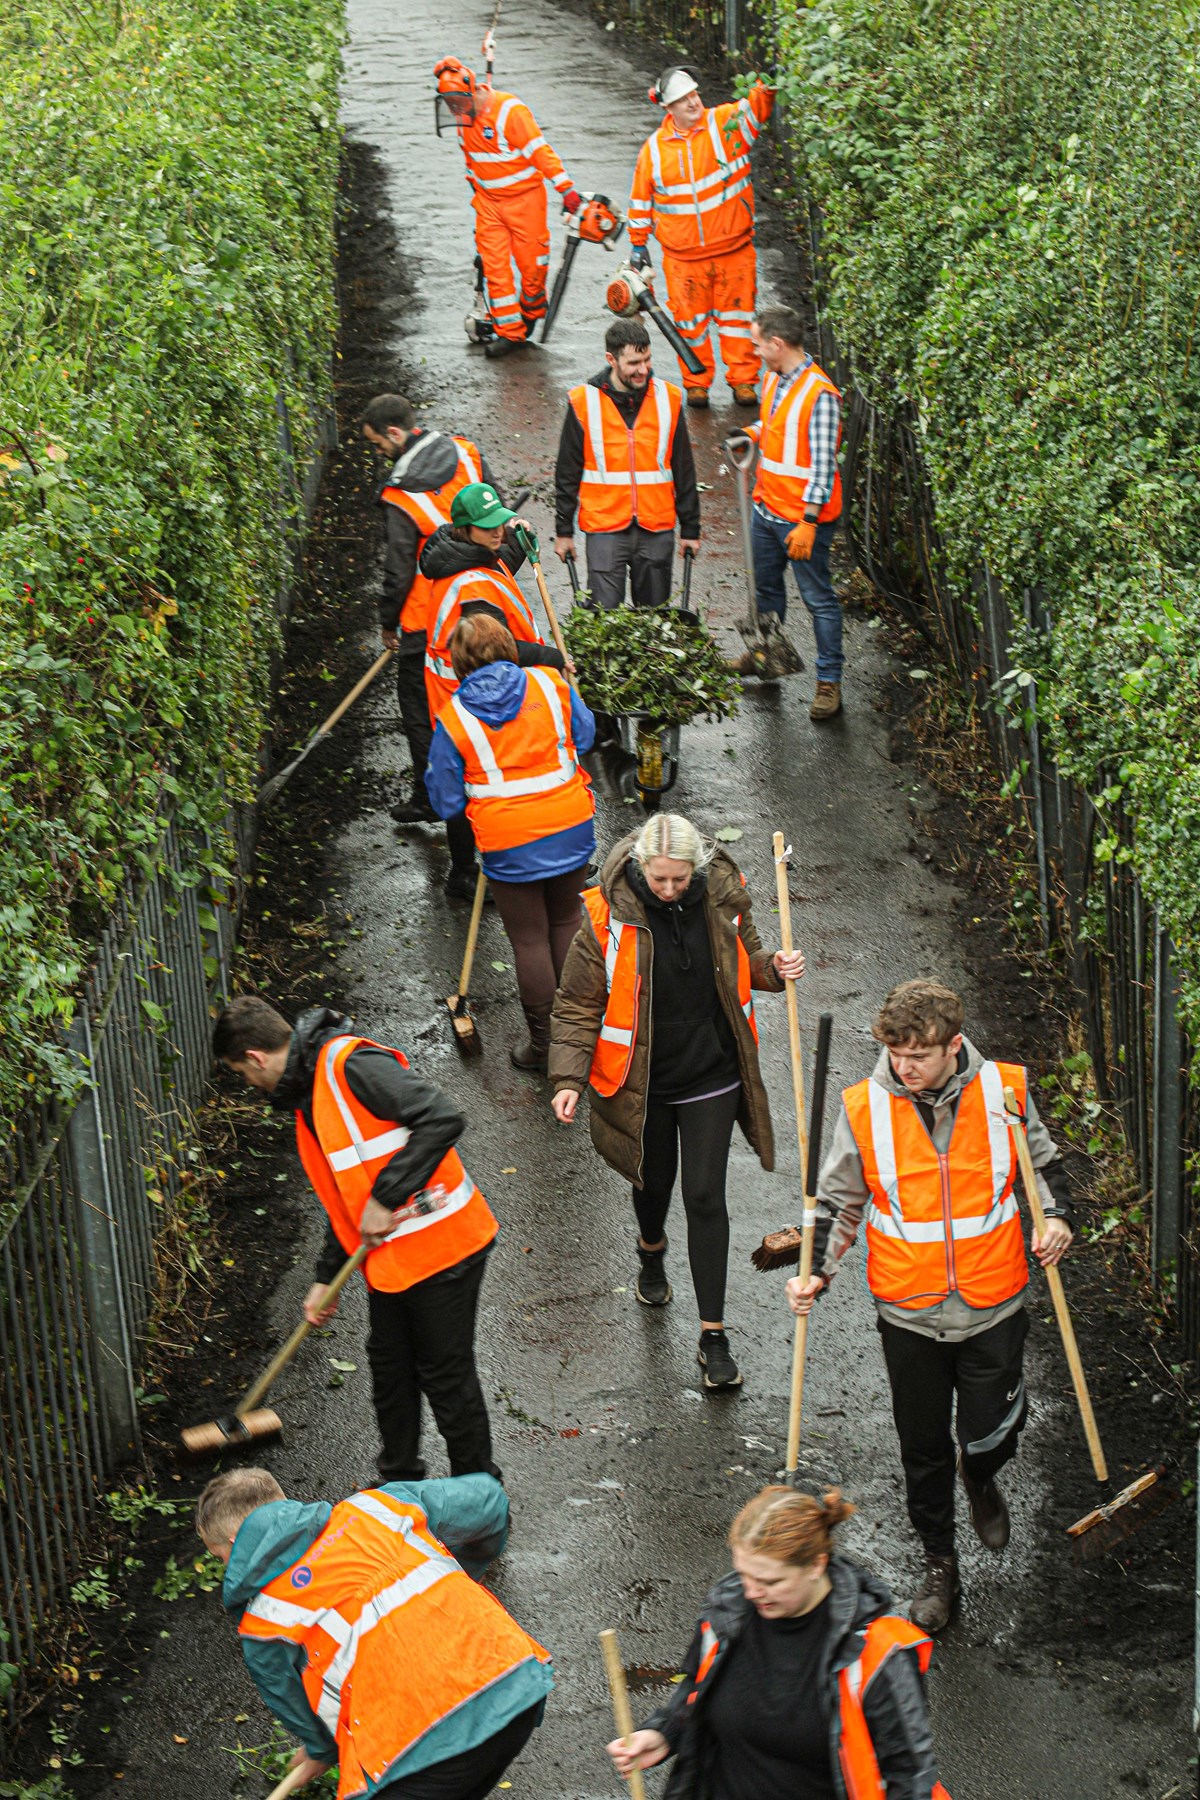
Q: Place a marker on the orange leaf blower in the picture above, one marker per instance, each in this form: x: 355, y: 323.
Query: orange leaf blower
x: 596, y: 222
x: 629, y: 293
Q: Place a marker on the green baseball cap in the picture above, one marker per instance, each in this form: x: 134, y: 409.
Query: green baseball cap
x: 479, y: 504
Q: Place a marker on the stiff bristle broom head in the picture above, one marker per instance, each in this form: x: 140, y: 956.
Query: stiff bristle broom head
x: 230, y: 1436
x: 466, y: 1032
x: 1107, y: 1527
x: 778, y: 1249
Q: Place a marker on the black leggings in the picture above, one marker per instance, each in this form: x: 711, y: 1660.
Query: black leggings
x: 541, y: 919
x: 695, y: 1136
x: 472, y: 1773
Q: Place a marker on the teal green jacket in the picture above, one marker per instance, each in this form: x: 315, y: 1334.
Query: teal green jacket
x: 469, y: 1515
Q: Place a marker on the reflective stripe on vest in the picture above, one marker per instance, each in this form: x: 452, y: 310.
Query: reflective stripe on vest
x: 428, y: 509
x: 711, y: 204
x: 785, y: 462
x: 522, y: 778
x: 496, y: 783
x: 627, y: 472
x: 940, y: 1223
x: 745, y: 992
x: 884, y: 1637
x: 343, y: 1156
x: 491, y: 585
x: 379, y: 1592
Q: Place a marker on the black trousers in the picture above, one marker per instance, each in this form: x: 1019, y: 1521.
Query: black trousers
x: 696, y: 1137
x: 473, y: 1773
x: 980, y: 1384
x: 414, y: 704
x: 422, y: 1341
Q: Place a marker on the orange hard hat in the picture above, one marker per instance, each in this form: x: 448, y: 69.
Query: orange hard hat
x: 454, y: 77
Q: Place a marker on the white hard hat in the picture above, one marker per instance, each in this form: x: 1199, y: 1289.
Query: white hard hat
x: 675, y: 85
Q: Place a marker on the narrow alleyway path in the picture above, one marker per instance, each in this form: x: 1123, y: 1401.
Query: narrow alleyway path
x: 623, y: 1475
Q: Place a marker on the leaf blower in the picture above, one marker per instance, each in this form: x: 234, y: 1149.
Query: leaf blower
x: 629, y: 293
x: 596, y: 222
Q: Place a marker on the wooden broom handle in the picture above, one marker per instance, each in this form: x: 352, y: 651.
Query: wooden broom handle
x: 614, y: 1668
x: 290, y: 1783
x: 800, y: 1339
x: 560, y: 642
x: 364, y: 682
x: 464, y: 980
x: 283, y: 1357
x: 1054, y: 1278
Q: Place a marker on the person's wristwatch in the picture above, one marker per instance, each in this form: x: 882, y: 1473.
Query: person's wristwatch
x: 812, y: 517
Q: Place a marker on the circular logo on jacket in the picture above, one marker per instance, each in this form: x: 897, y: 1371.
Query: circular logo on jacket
x: 488, y: 133
x: 301, y: 1576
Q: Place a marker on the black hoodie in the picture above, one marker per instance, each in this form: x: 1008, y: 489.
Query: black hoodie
x: 427, y: 462
x: 693, y: 1051
x: 894, y: 1702
x: 446, y: 555
x: 386, y: 1088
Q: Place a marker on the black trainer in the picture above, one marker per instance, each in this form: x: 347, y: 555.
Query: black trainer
x: 652, y: 1287
x: 716, y: 1359
x: 460, y: 885
x: 416, y: 810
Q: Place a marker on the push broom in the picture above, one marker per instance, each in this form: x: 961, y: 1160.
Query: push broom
x: 278, y: 782
x: 466, y: 1032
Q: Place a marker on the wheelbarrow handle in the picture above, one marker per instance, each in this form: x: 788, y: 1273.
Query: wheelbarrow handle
x: 572, y: 572
x: 689, y: 557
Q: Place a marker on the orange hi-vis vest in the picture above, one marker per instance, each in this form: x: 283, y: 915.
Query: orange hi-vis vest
x: 343, y: 1157
x: 627, y: 472
x: 395, y: 1634
x: 785, y: 461
x: 618, y: 1028
x: 939, y: 1225
x: 428, y: 509
x: 522, y: 778
x: 505, y: 151
x: 450, y: 595
x: 882, y: 1638
x: 694, y: 189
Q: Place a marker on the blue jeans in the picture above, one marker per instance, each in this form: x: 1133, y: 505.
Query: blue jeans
x: 768, y: 540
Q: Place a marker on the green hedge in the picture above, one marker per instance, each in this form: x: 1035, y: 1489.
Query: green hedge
x: 167, y: 182
x: 1011, y: 233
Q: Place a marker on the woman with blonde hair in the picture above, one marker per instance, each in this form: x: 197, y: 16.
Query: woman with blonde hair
x: 655, y: 1014
x: 800, y: 1682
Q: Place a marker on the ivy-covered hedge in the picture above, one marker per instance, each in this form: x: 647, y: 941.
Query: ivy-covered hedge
x: 1011, y: 234
x: 167, y: 181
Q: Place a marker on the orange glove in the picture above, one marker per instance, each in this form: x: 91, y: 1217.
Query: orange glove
x: 800, y: 540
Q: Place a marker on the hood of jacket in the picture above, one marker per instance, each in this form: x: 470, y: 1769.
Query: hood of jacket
x: 446, y: 555
x: 970, y: 1061
x: 495, y: 693
x: 312, y: 1031
x: 427, y: 461
x: 270, y: 1540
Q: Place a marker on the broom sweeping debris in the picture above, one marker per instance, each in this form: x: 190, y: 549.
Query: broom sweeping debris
x: 466, y: 1032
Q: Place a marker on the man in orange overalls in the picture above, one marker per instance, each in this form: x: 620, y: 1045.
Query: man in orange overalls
x: 693, y: 189
x: 508, y: 162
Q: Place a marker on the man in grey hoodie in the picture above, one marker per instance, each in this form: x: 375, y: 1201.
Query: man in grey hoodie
x: 923, y: 1158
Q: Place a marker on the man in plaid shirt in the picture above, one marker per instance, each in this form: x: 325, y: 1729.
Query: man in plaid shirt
x: 797, y: 496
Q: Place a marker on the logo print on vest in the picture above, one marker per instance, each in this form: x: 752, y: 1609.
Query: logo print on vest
x: 488, y: 133
x: 301, y: 1576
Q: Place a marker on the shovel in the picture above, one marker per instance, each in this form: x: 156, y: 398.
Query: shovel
x: 466, y: 1032
x: 775, y: 655
x: 278, y: 782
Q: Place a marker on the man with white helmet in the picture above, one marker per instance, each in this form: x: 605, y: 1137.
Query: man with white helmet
x: 508, y: 163
x: 693, y: 189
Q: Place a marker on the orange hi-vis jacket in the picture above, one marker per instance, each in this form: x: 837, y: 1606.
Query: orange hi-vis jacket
x: 785, y: 459
x: 344, y: 1154
x: 505, y: 151
x: 694, y: 190
x: 498, y: 588
x: 882, y: 1638
x: 428, y: 509
x: 522, y: 778
x: 395, y: 1634
x: 618, y: 1029
x: 627, y: 472
x: 938, y: 1225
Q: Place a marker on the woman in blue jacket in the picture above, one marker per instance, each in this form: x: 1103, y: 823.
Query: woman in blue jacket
x: 506, y: 751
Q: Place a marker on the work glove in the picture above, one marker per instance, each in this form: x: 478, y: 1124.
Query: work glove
x: 528, y: 542
x: 800, y: 540
x: 572, y: 200
x: 639, y: 257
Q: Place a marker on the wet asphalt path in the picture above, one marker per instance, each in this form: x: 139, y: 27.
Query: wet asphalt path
x: 623, y: 1475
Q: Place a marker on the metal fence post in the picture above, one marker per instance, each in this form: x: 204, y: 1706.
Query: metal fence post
x: 97, y: 1227
x: 733, y: 27
x: 1166, y: 1229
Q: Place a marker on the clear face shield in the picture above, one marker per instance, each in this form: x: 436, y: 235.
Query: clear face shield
x: 452, y: 112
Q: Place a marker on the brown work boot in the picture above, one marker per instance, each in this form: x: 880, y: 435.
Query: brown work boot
x: 827, y: 701
x: 989, y: 1510
x: 932, y: 1603
x: 745, y: 394
x: 697, y: 397
x: 534, y: 1056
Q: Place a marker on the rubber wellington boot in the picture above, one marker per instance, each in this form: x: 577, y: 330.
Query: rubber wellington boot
x: 934, y: 1600
x: 534, y: 1056
x: 652, y: 1287
x: 989, y: 1510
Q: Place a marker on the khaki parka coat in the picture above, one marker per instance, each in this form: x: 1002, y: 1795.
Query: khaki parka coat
x: 617, y: 1123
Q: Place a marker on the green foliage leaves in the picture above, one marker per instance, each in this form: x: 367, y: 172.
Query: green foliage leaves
x: 1009, y: 231
x: 653, y: 661
x: 167, y: 176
